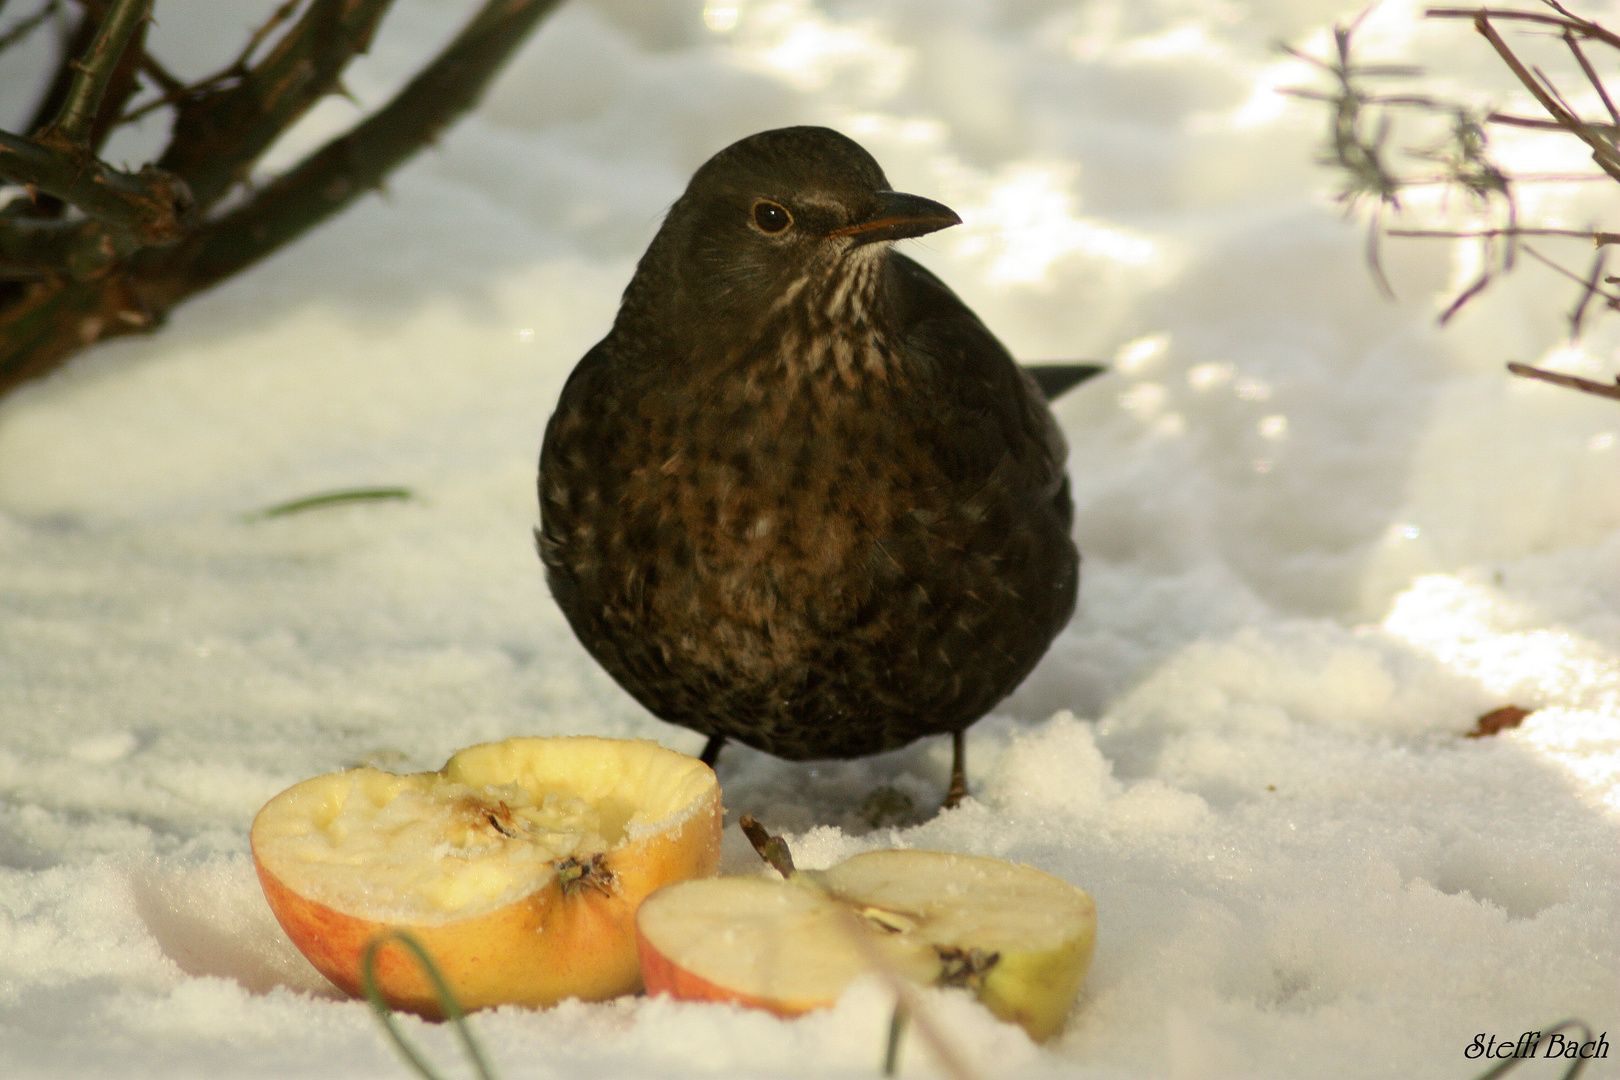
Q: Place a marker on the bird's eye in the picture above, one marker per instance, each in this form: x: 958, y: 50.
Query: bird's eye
x: 771, y: 217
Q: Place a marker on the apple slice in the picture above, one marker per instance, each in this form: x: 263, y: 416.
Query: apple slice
x: 1019, y: 939
x: 519, y: 866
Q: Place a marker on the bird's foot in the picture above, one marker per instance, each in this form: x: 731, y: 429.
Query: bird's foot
x: 958, y: 787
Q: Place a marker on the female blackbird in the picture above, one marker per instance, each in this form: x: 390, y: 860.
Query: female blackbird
x: 799, y: 496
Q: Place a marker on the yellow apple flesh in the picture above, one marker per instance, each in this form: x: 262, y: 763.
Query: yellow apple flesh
x: 1019, y: 939
x: 519, y: 866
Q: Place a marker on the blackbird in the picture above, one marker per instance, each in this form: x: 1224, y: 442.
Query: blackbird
x: 799, y: 496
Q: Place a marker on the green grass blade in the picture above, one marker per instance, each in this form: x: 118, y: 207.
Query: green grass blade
x: 334, y: 498
x: 447, y: 1002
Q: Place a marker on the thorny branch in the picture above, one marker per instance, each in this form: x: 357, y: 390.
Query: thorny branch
x: 354, y: 163
x: 89, y: 251
x: 232, y: 121
x: 72, y: 127
x: 148, y: 206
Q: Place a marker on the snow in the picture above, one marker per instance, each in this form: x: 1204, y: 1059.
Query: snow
x: 1322, y: 536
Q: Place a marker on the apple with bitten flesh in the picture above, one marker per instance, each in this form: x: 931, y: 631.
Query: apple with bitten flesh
x: 518, y: 866
x: 1019, y: 939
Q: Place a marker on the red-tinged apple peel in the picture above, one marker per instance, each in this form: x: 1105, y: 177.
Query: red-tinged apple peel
x: 519, y: 866
x: 1019, y: 939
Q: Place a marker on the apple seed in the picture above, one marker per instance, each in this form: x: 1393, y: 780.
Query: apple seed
x: 964, y: 967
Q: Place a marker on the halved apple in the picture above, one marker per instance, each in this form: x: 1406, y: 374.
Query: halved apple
x: 519, y: 866
x: 1019, y: 939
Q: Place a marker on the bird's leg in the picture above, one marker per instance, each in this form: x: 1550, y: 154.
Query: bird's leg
x: 958, y: 789
x: 711, y: 750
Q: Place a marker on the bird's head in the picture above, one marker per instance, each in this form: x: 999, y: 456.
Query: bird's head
x: 792, y: 212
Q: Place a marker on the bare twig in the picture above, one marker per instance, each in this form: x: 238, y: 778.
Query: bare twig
x: 120, y: 81
x: 770, y: 847
x: 1360, y: 144
x: 1591, y: 76
x: 1573, y: 382
x: 28, y: 24
x: 1597, y: 238
x: 1577, y: 316
x: 1566, y: 21
x: 1603, y: 152
x: 1539, y: 124
x: 1612, y: 300
x: 1359, y: 147
x: 1462, y: 298
x: 1373, y: 254
x: 1360, y: 154
x: 70, y: 46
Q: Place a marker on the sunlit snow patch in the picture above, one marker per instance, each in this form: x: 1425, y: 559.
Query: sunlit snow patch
x: 1266, y: 101
x: 1574, y: 681
x: 1030, y: 215
x: 1136, y: 356
x: 809, y: 51
x: 1466, y: 626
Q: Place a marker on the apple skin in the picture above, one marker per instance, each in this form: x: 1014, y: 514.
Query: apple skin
x: 661, y: 975
x: 1034, y: 987
x: 555, y: 943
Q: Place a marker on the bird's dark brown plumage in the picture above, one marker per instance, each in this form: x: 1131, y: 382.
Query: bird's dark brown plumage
x: 800, y: 496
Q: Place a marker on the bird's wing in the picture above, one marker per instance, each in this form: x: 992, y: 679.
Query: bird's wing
x: 976, y: 368
x: 932, y: 298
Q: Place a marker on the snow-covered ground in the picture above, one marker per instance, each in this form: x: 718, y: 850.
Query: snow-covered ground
x: 1321, y: 537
